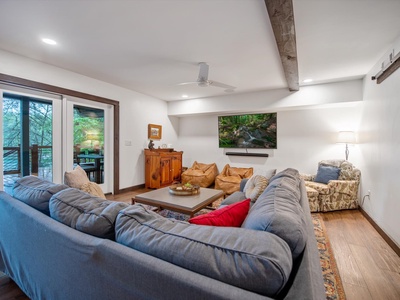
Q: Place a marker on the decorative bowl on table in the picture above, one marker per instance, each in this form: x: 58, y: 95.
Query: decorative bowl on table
x: 186, y: 189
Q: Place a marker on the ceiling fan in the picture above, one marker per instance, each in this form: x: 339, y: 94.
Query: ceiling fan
x: 203, y: 81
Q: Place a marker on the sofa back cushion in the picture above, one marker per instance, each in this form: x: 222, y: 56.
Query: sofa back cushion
x: 278, y: 211
x: 36, y: 192
x: 86, y: 213
x: 249, y: 259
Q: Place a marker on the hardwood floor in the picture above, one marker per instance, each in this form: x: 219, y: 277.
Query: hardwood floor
x: 369, y: 268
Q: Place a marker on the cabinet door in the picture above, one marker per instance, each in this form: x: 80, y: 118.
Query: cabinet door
x: 165, y: 171
x: 176, y: 167
x: 152, y: 171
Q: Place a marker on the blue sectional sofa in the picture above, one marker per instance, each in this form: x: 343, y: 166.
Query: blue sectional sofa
x: 61, y: 243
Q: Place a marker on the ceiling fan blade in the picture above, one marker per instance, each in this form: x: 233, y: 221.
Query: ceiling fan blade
x: 190, y: 82
x: 203, y: 73
x: 222, y: 85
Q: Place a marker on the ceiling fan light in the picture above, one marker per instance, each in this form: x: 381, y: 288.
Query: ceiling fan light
x: 49, y: 41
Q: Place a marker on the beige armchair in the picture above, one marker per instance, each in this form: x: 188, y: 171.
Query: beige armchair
x: 230, y: 177
x: 200, y: 174
x: 335, y: 194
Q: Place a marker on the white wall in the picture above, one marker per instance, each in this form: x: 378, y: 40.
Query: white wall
x: 136, y: 110
x: 304, y: 138
x: 380, y: 149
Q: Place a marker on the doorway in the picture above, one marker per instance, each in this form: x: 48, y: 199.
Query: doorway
x: 89, y: 140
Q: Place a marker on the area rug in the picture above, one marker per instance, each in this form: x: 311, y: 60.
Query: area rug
x: 333, y: 284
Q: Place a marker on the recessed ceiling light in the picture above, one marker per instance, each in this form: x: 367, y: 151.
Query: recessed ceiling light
x: 49, y: 41
x: 185, y: 96
x: 307, y: 80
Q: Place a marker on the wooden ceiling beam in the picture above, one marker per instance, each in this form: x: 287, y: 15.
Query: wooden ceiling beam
x: 282, y: 20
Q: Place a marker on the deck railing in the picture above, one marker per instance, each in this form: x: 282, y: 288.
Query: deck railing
x: 38, y: 156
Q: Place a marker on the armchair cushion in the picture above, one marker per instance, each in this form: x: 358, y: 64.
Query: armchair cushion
x: 322, y: 188
x: 327, y: 173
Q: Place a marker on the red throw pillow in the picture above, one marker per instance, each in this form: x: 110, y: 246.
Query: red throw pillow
x: 232, y: 215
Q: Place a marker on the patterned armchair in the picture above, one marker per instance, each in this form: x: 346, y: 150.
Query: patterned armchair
x: 230, y: 177
x: 336, y: 194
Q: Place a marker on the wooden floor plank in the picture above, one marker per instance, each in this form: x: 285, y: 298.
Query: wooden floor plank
x: 394, y: 278
x: 349, y: 270
x: 355, y: 292
x: 378, y: 285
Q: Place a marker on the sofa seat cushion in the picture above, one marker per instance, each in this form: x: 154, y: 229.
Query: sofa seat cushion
x: 85, y: 213
x: 321, y: 188
x: 36, y: 192
x: 278, y: 211
x: 252, y: 260
x: 232, y: 215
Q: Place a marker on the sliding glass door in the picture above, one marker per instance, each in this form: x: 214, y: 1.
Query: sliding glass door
x: 88, y: 140
x: 46, y: 136
x: 28, y: 138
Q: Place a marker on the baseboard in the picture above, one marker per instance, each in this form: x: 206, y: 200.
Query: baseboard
x: 387, y: 239
x: 131, y: 188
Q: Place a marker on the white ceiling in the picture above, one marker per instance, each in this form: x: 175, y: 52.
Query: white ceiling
x: 152, y: 45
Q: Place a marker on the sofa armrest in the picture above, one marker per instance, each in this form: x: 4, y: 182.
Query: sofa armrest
x: 349, y: 187
x: 243, y: 183
x: 233, y: 198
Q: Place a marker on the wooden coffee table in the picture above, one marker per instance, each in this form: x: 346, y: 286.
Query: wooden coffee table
x: 189, y: 205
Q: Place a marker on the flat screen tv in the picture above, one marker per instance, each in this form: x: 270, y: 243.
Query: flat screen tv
x: 247, y: 131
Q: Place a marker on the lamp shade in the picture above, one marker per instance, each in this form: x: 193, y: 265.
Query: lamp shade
x: 346, y: 137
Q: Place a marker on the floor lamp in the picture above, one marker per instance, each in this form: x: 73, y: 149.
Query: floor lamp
x: 346, y: 137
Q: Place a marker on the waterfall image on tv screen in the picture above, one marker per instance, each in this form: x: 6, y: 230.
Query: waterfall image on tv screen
x: 247, y: 131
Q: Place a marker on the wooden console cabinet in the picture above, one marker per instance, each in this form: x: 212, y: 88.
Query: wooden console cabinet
x: 162, y: 167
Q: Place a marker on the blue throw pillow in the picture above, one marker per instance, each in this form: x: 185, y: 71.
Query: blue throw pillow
x: 326, y: 173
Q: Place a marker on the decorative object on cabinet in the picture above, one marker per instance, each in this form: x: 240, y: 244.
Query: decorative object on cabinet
x: 151, y: 145
x: 155, y: 131
x: 163, y: 167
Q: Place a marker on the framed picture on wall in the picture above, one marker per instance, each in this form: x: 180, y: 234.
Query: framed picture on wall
x: 155, y: 131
